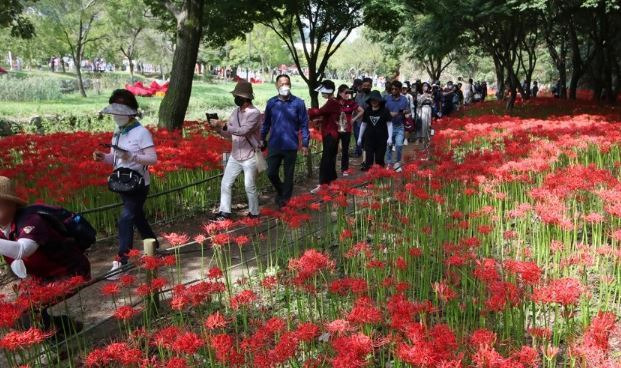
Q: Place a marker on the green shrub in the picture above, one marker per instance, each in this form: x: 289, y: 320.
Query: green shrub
x: 29, y: 89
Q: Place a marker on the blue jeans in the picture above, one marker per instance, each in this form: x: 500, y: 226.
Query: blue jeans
x: 132, y: 215
x: 398, y: 135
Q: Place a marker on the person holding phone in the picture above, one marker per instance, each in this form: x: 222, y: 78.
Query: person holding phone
x: 132, y: 148
x: 244, y: 129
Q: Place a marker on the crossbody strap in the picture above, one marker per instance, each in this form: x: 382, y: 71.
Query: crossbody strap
x: 248, y: 140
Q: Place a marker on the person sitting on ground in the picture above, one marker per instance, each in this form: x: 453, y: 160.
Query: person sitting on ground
x: 34, y: 247
x: 244, y: 126
x: 375, y: 131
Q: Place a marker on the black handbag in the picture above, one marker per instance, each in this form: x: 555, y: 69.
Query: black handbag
x: 125, y: 180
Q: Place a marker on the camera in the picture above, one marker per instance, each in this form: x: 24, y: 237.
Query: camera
x: 212, y: 116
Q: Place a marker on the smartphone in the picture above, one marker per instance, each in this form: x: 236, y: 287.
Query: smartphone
x: 115, y: 147
x: 212, y: 116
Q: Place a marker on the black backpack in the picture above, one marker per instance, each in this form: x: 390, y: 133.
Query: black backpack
x: 69, y: 224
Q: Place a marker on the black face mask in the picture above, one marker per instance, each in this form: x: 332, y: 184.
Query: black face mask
x: 366, y: 90
x: 239, y: 101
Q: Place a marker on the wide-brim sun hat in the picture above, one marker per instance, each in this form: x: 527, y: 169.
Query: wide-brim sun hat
x: 8, y: 193
x: 243, y: 88
x: 326, y: 86
x: 119, y: 109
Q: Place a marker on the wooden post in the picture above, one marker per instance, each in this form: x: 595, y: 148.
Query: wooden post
x: 149, y: 250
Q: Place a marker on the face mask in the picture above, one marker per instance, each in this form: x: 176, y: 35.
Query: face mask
x: 19, y: 268
x: 239, y: 101
x: 121, y: 120
x: 366, y: 90
x: 284, y: 91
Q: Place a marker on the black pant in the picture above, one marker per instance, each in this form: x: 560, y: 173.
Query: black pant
x: 375, y: 150
x: 344, y: 138
x: 327, y: 166
x: 274, y: 159
x: 133, y: 215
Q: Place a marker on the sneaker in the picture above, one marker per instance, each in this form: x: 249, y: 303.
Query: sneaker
x: 316, y: 190
x: 345, y: 173
x: 116, y: 265
x: 397, y: 167
x: 405, y: 142
x: 221, y: 216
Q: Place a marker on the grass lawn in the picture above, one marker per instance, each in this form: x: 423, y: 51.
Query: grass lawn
x: 206, y: 97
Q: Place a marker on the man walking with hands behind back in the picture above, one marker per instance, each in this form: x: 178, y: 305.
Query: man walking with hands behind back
x: 285, y: 117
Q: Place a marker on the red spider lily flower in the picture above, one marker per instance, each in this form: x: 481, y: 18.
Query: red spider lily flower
x: 215, y: 321
x: 121, y: 353
x: 482, y: 337
x: 14, y: 340
x: 169, y: 260
x: 134, y: 253
x: 529, y: 272
x: 187, y: 343
x: 309, y: 264
x: 306, y: 332
x: 10, y: 313
x: 214, y: 273
x: 126, y: 312
x: 195, y: 295
x: 364, y: 312
x: 220, y: 240
x: 348, y: 285
x: 224, y: 348
x: 127, y: 280
x: 540, y: 332
x: 165, y: 337
x: 339, y: 327
x: 444, y: 291
x: 351, y: 351
x: 269, y: 282
x: 176, y: 362
x: 243, y: 298
x: 200, y: 239
x: 176, y: 239
x: 111, y: 289
x: 241, y: 240
x: 564, y: 291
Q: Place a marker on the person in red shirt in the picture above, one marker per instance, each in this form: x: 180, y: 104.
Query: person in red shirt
x: 350, y: 112
x: 327, y: 118
x: 33, y: 247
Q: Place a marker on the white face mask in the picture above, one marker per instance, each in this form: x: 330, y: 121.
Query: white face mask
x: 121, y: 120
x: 19, y: 268
x: 284, y: 91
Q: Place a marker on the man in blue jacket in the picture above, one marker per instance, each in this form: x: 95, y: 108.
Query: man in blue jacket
x: 285, y: 116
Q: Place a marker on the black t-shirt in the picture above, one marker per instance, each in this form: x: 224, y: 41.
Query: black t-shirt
x: 376, y: 123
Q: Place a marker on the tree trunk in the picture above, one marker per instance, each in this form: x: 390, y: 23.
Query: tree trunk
x: 500, y: 79
x: 77, y: 60
x: 62, y: 65
x: 131, y: 69
x: 189, y: 32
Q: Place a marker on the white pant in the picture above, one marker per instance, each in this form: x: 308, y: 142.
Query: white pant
x: 232, y: 170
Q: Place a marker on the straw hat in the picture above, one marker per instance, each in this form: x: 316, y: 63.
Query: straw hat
x: 243, y: 88
x: 7, y: 191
